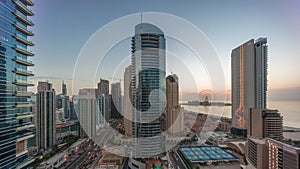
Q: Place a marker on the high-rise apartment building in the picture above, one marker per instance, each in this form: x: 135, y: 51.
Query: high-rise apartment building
x: 148, y: 82
x: 87, y: 107
x: 282, y: 155
x: 127, y: 102
x: 262, y: 124
x: 73, y: 115
x: 103, y: 94
x: 249, y: 81
x: 257, y: 153
x: 273, y: 154
x: 265, y: 123
x: 116, y: 101
x: 64, y: 88
x: 63, y: 102
x: 15, y: 115
x: 46, y: 116
x: 174, y: 119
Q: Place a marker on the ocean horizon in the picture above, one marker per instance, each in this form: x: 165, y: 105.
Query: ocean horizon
x: 289, y: 109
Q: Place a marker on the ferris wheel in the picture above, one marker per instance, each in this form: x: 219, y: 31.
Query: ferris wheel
x: 206, y: 97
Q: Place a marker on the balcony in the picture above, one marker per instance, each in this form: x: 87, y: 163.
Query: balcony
x: 23, y: 104
x: 23, y: 61
x: 19, y: 154
x: 24, y: 30
x: 25, y: 137
x: 29, y: 2
x: 23, y: 83
x: 21, y: 18
x: 25, y: 163
x: 23, y: 72
x: 24, y: 127
x: 24, y: 115
x: 22, y: 40
x: 24, y: 94
x: 23, y: 8
x: 23, y: 51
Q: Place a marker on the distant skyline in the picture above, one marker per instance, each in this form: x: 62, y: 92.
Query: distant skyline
x: 62, y: 28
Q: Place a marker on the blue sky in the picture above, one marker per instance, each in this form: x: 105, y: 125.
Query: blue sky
x: 63, y: 27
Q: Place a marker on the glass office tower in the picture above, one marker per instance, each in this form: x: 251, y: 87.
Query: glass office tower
x: 148, y: 89
x: 15, y: 109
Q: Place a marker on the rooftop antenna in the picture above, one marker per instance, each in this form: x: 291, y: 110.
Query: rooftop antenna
x: 141, y: 22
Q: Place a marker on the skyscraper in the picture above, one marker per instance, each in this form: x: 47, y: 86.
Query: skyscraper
x: 116, y: 101
x: 16, y: 126
x: 64, y: 88
x: 174, y: 119
x: 103, y: 94
x: 63, y: 102
x: 127, y: 102
x: 249, y: 81
x: 148, y: 81
x: 73, y: 115
x: 87, y: 112
x: 46, y: 116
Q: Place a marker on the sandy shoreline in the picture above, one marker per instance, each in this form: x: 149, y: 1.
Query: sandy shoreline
x: 291, y: 129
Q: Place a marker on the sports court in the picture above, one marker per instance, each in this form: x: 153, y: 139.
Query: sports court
x: 206, y: 153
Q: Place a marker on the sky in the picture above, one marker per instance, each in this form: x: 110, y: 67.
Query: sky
x: 63, y: 27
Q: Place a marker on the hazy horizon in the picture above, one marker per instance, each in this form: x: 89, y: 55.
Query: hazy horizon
x: 227, y: 25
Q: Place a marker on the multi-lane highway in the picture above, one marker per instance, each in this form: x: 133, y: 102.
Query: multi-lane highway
x: 175, y: 160
x: 92, y: 152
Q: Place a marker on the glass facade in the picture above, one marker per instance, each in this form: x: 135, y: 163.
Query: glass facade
x: 148, y: 89
x: 15, y: 109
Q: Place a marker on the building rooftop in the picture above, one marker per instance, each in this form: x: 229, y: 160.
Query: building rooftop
x: 258, y: 140
x: 206, y: 153
x: 288, y: 143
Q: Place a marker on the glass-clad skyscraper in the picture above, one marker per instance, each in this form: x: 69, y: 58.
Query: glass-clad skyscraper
x: 249, y: 81
x: 15, y: 109
x: 148, y: 89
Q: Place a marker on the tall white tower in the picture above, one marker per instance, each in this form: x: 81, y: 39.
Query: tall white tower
x: 148, y: 89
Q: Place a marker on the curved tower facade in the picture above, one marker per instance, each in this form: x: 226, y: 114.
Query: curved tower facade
x: 148, y: 89
x: 16, y: 115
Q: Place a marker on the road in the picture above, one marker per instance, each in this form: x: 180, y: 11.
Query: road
x: 91, y: 158
x: 78, y: 161
x: 125, y: 164
x: 176, y: 160
x: 89, y: 155
x: 103, y: 136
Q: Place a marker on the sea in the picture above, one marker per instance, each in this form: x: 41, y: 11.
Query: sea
x: 290, y: 110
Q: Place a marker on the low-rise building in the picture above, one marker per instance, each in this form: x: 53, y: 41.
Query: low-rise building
x: 110, y: 160
x: 208, y: 157
x: 66, y: 129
